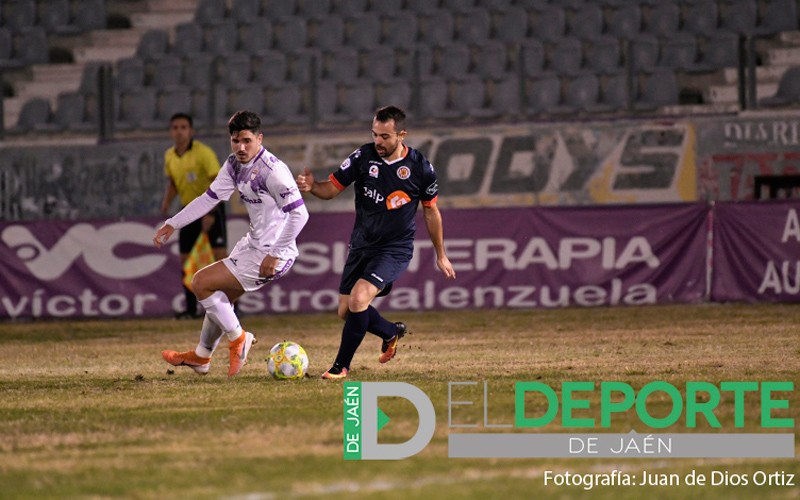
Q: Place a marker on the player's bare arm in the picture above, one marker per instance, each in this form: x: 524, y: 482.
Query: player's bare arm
x: 162, y: 235
x: 325, y: 190
x: 268, y: 266
x: 433, y: 222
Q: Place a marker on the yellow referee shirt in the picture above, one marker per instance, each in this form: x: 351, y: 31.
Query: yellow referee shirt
x: 193, y: 171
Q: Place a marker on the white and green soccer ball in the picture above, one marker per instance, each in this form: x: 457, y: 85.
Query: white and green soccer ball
x: 287, y: 361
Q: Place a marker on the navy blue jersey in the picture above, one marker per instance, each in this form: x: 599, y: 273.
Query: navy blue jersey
x: 386, y: 195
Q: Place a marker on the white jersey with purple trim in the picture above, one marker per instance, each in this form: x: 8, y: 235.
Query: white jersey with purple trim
x: 268, y: 190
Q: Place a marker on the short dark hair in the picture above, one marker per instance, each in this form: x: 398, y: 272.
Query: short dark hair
x: 387, y: 113
x: 244, y: 120
x: 185, y: 116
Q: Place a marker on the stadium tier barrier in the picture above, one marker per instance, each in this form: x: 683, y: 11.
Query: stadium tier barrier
x: 538, y: 257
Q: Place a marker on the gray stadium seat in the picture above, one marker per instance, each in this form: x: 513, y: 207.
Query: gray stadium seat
x: 167, y: 72
x: 407, y: 62
x: 664, y: 19
x: 71, y: 113
x: 197, y: 70
x: 210, y: 12
x: 396, y: 92
x: 7, y: 59
x: 421, y: 6
x: 378, y: 64
x: 34, y: 111
x: 738, y: 16
x: 644, y: 51
x: 221, y: 38
x: 679, y: 51
x: 302, y: 63
x: 19, y: 15
x: 511, y: 25
x: 269, y: 66
x: 171, y: 101
x: 581, y: 95
x: 129, y: 74
x: 778, y: 16
x: 532, y: 57
x: 340, y: 64
x: 256, y: 36
x: 327, y: 103
x: 153, y: 44
x: 491, y: 60
x: 660, y: 88
x: 503, y: 99
x: 701, y: 17
x: 550, y: 23
x: 436, y: 28
x: 458, y: 5
x: 245, y: 11
x: 400, y: 29
x: 346, y: 8
x: 250, y: 97
x: 433, y: 99
x: 468, y: 97
x: 291, y: 33
x: 56, y: 18
x: 587, y: 22
x: 721, y: 51
x: 452, y: 60
x: 473, y: 26
x: 363, y: 31
x: 277, y: 9
x: 326, y: 33
x: 313, y: 9
x: 90, y: 15
x: 188, y: 39
x: 788, y: 92
x: 136, y: 110
x: 603, y: 56
x: 284, y: 105
x: 386, y: 7
x: 613, y: 95
x: 30, y: 46
x: 233, y: 70
x: 542, y: 95
x: 625, y: 21
x: 496, y: 5
x: 357, y: 100
x: 566, y: 56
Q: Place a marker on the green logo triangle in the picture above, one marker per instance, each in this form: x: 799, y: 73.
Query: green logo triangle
x: 382, y: 419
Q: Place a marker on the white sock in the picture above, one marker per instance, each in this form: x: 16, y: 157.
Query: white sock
x: 210, y: 335
x: 219, y: 308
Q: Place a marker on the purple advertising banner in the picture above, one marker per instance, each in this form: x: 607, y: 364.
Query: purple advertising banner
x: 505, y: 257
x: 756, y: 249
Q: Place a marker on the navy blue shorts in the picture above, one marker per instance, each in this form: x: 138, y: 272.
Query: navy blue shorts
x: 217, y: 234
x: 381, y: 268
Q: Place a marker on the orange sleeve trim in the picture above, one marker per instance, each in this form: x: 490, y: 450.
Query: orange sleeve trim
x: 336, y: 183
x: 430, y: 203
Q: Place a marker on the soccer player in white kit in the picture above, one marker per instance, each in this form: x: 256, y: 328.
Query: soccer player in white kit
x: 266, y: 253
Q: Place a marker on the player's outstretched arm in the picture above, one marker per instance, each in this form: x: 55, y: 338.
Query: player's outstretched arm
x: 162, y: 235
x: 307, y: 184
x: 433, y: 222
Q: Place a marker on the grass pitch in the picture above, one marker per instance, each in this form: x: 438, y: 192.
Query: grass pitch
x: 88, y: 410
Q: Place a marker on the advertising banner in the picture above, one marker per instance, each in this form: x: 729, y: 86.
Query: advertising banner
x: 756, y: 249
x: 526, y: 258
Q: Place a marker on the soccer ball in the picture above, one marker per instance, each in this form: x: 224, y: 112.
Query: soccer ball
x: 287, y: 360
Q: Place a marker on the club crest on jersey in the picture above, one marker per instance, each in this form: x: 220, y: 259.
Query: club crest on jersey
x: 373, y: 171
x: 404, y: 172
x: 396, y: 200
x: 254, y: 174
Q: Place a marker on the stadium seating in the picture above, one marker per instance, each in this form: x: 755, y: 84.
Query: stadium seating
x: 788, y: 92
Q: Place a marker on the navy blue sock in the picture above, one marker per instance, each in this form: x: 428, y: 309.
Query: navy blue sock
x: 355, y: 327
x: 379, y: 325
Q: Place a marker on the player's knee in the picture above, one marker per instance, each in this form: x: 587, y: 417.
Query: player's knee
x: 358, y: 302
x: 200, y: 285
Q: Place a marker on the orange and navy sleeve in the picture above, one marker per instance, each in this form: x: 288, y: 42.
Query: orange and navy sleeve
x: 345, y: 175
x: 430, y: 186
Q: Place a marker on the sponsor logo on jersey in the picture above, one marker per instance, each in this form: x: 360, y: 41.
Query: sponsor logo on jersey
x: 396, y: 200
x: 373, y: 171
x: 345, y: 164
x: 404, y: 172
x: 249, y: 200
x: 292, y: 190
x: 432, y: 189
x: 373, y: 194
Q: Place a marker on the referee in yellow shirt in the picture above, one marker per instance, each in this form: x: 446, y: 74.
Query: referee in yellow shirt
x: 190, y: 166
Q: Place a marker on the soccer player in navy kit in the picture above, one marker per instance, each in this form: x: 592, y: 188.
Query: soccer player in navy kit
x: 390, y: 180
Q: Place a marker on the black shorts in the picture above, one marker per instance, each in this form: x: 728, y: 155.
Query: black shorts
x: 218, y: 234
x: 381, y: 268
